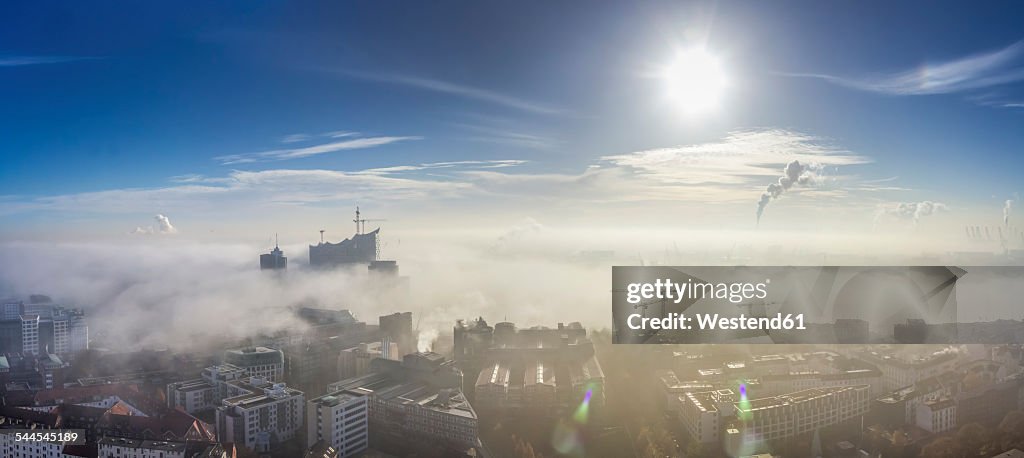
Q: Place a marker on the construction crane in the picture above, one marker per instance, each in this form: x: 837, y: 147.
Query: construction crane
x: 361, y: 222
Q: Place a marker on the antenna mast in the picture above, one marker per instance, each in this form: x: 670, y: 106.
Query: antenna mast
x: 321, y: 236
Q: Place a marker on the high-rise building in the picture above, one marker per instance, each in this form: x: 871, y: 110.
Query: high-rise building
x: 30, y: 334
x: 42, y: 327
x: 275, y: 260
x: 340, y: 420
x: 398, y: 327
x: 355, y: 361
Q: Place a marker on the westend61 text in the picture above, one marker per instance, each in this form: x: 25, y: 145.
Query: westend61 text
x: 713, y: 321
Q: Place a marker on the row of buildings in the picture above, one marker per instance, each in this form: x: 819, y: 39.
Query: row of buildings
x: 118, y: 420
x: 537, y: 370
x: 42, y: 327
x: 746, y: 403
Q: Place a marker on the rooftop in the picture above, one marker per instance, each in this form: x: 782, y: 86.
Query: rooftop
x: 141, y: 444
x: 798, y: 397
x: 337, y: 397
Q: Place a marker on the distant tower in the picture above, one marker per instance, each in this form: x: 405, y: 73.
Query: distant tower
x: 275, y: 260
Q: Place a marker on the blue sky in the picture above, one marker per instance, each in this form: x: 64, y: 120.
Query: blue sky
x: 111, y: 112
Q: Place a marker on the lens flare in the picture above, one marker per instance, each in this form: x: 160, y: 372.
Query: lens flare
x: 567, y: 439
x: 568, y: 436
x: 744, y: 405
x: 583, y: 411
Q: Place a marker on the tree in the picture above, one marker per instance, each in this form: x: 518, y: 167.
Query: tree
x: 940, y: 448
x: 971, y: 438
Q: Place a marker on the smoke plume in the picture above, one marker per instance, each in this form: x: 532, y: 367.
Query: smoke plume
x: 913, y: 211
x: 163, y: 226
x: 1007, y: 207
x: 793, y: 173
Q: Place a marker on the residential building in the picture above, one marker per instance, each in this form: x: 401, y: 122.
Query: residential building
x: 260, y: 415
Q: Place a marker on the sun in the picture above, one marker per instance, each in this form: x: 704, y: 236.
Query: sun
x: 695, y: 81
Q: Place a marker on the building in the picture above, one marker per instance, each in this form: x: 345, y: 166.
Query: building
x: 989, y: 402
x: 42, y: 327
x: 416, y: 404
x: 119, y: 447
x: 360, y: 249
x: 900, y: 371
x: 703, y: 413
x: 17, y: 418
x: 937, y: 415
x: 901, y: 406
x: 275, y: 260
x: 261, y: 415
x: 339, y: 420
x: 537, y: 370
x: 355, y: 361
x: 30, y: 334
x: 115, y: 421
x: 260, y: 362
x: 398, y: 327
x: 36, y: 371
x: 783, y: 417
x: 206, y: 392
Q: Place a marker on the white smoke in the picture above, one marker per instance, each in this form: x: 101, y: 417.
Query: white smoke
x: 1007, y: 207
x: 913, y: 211
x: 793, y: 173
x: 163, y: 226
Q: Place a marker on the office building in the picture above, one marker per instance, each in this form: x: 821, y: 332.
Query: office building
x: 355, y: 361
x: 399, y: 328
x: 275, y: 260
x: 42, y: 327
x: 703, y: 413
x: 416, y: 404
x: 206, y: 392
x: 261, y: 362
x: 783, y: 417
x: 339, y: 420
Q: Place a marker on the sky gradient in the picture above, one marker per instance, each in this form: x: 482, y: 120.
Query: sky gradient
x: 490, y: 113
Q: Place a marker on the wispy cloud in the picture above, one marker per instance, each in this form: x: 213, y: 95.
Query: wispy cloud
x: 296, y: 138
x: 742, y: 157
x: 506, y: 136
x: 455, y: 165
x: 295, y: 153
x: 987, y: 69
x: 730, y: 170
x: 303, y: 137
x: 460, y: 90
x: 20, y: 61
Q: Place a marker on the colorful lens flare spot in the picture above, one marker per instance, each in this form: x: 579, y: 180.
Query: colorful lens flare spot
x: 567, y: 439
x: 583, y: 410
x: 744, y: 404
